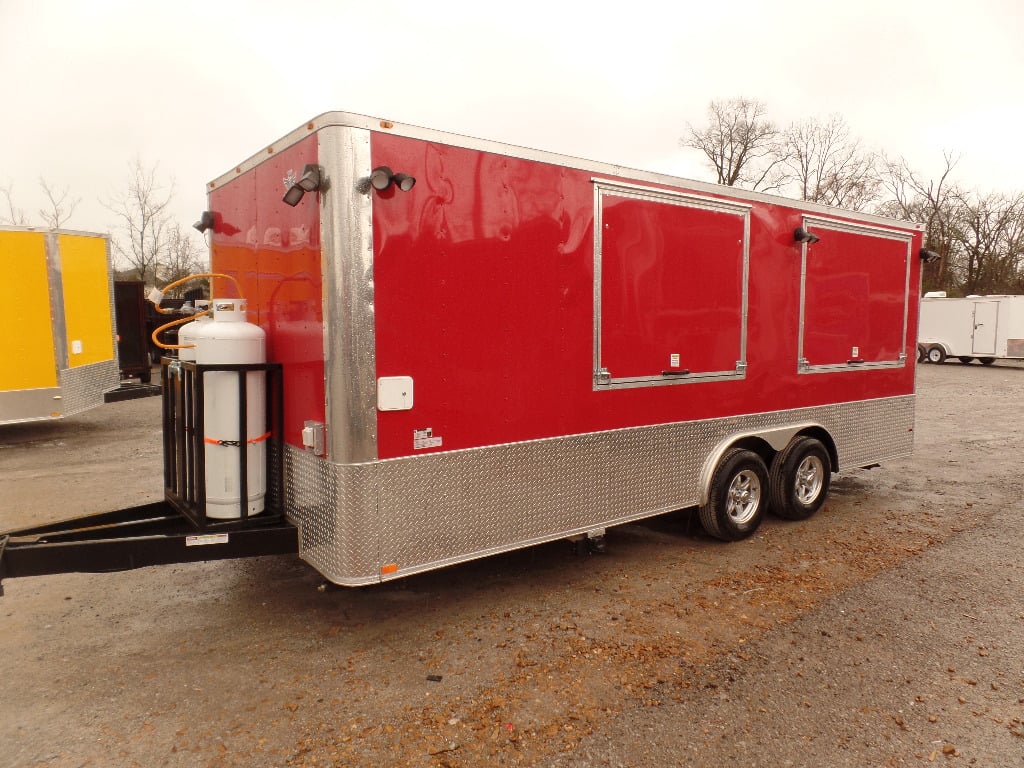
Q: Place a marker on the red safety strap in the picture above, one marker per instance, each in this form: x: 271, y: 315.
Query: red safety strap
x: 260, y: 439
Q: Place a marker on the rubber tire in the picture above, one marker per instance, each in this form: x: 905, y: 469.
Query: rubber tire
x: 922, y: 354
x: 986, y: 360
x: 714, y: 515
x: 966, y: 360
x: 782, y: 480
x: 936, y: 354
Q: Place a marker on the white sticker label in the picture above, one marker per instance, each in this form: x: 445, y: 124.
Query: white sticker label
x: 673, y: 361
x: 210, y: 538
x: 424, y: 438
x: 856, y: 351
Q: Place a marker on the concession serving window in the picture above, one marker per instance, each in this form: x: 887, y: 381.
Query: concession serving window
x: 670, y: 287
x: 853, y: 297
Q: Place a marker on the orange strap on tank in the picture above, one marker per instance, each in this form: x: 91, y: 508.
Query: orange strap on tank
x: 214, y: 441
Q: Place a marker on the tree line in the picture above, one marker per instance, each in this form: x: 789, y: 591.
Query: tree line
x: 978, y: 236
x: 147, y: 243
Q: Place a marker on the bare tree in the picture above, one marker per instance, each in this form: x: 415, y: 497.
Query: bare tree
x: 1015, y: 250
x: 829, y: 166
x: 932, y: 203
x: 60, y: 208
x: 184, y: 257
x: 1008, y: 258
x: 743, y: 147
x: 14, y: 216
x: 987, y: 237
x: 143, y: 221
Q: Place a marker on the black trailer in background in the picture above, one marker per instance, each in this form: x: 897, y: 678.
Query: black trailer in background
x: 136, y: 320
x: 132, y: 334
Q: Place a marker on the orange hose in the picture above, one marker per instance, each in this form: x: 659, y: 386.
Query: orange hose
x: 179, y: 321
x: 189, y: 319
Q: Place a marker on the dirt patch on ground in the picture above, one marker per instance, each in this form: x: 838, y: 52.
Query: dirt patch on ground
x: 667, y: 650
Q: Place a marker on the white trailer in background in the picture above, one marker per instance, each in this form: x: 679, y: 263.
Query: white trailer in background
x: 986, y: 328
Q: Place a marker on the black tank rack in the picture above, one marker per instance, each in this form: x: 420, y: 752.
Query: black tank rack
x: 175, y: 530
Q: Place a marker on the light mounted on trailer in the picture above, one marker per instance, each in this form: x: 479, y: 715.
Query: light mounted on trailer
x: 404, y: 181
x: 380, y: 178
x: 802, y: 235
x: 206, y: 221
x: 311, y: 179
x: 928, y: 256
x: 383, y: 177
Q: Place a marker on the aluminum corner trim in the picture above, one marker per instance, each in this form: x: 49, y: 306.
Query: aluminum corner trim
x: 349, y: 347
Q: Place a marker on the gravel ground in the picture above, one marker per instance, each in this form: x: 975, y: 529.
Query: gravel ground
x: 886, y: 630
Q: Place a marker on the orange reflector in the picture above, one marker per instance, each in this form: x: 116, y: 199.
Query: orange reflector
x: 390, y: 568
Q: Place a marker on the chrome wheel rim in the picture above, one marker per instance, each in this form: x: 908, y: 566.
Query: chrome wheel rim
x: 810, y: 477
x: 744, y: 497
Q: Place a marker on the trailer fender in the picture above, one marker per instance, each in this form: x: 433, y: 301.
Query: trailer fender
x: 772, y: 439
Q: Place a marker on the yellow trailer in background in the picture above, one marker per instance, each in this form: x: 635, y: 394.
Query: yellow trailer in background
x: 57, y: 350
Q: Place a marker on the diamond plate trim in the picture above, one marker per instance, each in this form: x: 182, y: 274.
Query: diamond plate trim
x: 424, y: 512
x: 335, y: 509
x: 82, y: 388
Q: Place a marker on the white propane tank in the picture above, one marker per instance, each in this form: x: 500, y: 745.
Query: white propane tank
x: 229, y: 339
x: 187, y: 341
x: 186, y: 333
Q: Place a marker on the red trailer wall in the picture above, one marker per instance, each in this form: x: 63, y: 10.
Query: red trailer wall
x: 484, y: 285
x: 273, y: 250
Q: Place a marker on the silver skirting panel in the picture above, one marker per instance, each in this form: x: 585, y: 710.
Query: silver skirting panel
x: 30, y: 405
x: 422, y: 512
x: 80, y: 389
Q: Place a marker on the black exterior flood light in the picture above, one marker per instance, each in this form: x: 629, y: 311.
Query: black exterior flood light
x: 294, y: 194
x: 927, y: 256
x: 404, y: 181
x: 310, y: 180
x: 206, y: 221
x: 801, y: 235
x: 383, y: 177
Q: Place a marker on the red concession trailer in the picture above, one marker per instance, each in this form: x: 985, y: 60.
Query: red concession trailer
x: 473, y: 347
x: 486, y: 347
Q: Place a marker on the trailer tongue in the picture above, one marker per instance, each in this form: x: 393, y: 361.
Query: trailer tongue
x: 152, y: 534
x: 186, y: 526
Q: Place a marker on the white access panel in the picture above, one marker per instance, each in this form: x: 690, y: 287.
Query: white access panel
x: 394, y: 393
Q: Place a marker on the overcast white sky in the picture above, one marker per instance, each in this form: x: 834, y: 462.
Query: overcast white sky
x: 195, y: 86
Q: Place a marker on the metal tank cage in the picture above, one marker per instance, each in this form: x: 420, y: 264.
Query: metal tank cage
x: 182, y: 383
